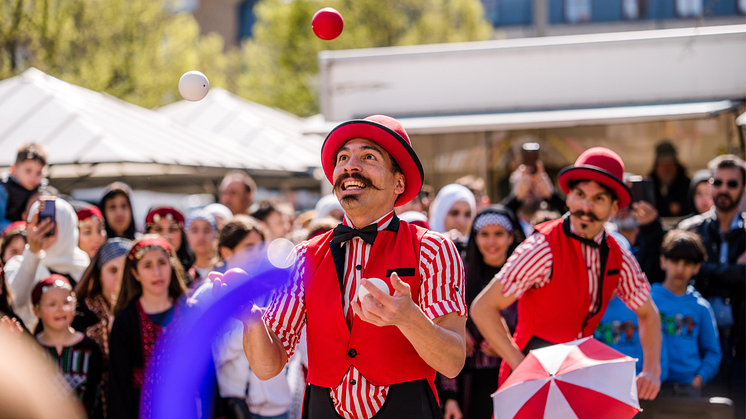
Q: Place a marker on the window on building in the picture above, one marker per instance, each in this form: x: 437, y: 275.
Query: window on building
x: 577, y: 11
x: 631, y: 9
x: 246, y: 18
x: 689, y: 8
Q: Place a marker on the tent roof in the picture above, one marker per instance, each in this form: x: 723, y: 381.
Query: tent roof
x: 80, y: 126
x: 254, y: 126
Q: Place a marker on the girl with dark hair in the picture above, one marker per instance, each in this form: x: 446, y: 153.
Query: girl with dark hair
x: 168, y: 223
x: 13, y: 241
x: 6, y: 298
x: 77, y: 356
x: 97, y: 294
x: 494, y: 235
x: 152, y: 284
x: 92, y: 229
x: 117, y: 208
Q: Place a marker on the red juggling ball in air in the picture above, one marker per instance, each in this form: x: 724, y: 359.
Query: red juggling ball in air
x: 327, y: 23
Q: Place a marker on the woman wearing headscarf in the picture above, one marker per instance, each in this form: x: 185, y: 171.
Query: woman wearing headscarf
x: 45, y: 255
x: 168, y: 223
x: 116, y: 206
x: 453, y: 209
x: 700, y: 192
x: 201, y: 233
x: 495, y: 234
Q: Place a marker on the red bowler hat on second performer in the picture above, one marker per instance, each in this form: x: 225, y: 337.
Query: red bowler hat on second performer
x: 601, y: 165
x: 390, y: 135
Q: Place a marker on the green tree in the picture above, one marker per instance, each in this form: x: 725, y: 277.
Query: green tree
x: 279, y: 62
x: 132, y: 49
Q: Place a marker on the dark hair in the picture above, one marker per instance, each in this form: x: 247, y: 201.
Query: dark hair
x: 475, y: 266
x: 683, y: 245
x: 265, y: 209
x: 8, y: 238
x: 31, y: 152
x: 184, y: 253
x: 131, y: 288
x: 728, y: 161
x: 238, y: 176
x: 237, y: 229
x: 6, y: 297
x: 113, y: 190
x: 571, y: 184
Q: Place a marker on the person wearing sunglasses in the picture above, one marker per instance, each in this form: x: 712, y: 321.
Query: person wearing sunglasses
x: 722, y: 278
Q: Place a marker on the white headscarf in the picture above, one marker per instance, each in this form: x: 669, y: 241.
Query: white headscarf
x: 64, y: 256
x: 326, y: 205
x: 219, y: 210
x: 447, y: 196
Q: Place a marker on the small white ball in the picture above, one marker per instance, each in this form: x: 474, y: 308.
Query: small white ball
x: 193, y: 86
x: 280, y: 253
x: 379, y: 283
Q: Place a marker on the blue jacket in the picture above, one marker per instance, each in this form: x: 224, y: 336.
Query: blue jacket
x: 689, y: 326
x: 618, y: 328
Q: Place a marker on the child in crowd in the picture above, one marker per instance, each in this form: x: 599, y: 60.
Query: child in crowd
x: 202, y: 233
x: 116, y: 206
x: 619, y: 329
x: 13, y: 241
x: 152, y: 284
x: 77, y: 356
x: 97, y: 294
x: 686, y: 317
x: 92, y: 229
x: 22, y: 183
x: 168, y: 223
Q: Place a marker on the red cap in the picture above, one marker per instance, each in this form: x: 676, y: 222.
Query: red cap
x: 19, y: 225
x: 389, y: 134
x: 169, y: 213
x: 145, y: 244
x: 52, y: 281
x: 88, y: 212
x: 601, y: 165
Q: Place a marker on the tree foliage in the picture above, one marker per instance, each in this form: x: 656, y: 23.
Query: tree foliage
x: 279, y: 61
x: 132, y: 49
x: 137, y: 50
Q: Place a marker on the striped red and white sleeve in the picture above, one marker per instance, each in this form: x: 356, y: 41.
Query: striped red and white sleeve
x: 530, y: 266
x: 633, y: 287
x: 286, y: 314
x: 442, y: 272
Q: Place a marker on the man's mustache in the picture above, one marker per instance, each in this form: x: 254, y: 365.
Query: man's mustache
x: 590, y: 215
x: 357, y: 176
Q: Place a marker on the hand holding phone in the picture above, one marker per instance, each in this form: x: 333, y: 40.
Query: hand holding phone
x: 530, y: 154
x: 47, y: 211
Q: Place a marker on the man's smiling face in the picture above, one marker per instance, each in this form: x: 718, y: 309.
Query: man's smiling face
x: 365, y: 177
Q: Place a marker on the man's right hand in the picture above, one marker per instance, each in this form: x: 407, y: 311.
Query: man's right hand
x: 249, y: 314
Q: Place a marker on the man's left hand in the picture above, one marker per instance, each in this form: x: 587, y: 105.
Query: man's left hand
x: 644, y: 212
x: 648, y: 385
x: 382, y: 309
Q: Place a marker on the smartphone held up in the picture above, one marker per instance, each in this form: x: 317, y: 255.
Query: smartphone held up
x: 47, y: 210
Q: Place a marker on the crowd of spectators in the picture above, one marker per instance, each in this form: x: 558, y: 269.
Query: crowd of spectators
x: 88, y: 286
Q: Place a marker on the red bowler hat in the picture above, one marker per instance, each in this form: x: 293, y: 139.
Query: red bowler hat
x: 600, y: 165
x: 390, y: 135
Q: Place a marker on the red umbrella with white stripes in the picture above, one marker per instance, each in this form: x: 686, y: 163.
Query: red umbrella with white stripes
x: 582, y: 379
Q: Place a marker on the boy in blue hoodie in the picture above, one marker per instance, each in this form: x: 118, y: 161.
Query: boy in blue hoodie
x: 686, y: 317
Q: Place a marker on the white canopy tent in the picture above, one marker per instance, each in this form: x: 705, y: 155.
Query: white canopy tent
x: 93, y: 138
x: 253, y: 126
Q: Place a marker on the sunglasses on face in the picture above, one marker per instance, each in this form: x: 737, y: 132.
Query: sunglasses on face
x: 732, y: 184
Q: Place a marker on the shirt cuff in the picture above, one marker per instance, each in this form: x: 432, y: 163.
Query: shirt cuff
x: 287, y: 337
x: 442, y: 308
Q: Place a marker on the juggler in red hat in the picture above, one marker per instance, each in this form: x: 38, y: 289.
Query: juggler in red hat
x: 600, y: 165
x: 388, y: 133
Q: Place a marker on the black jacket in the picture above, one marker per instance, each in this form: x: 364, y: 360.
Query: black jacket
x: 724, y: 280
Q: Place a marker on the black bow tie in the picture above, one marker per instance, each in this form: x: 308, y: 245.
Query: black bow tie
x: 342, y: 233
